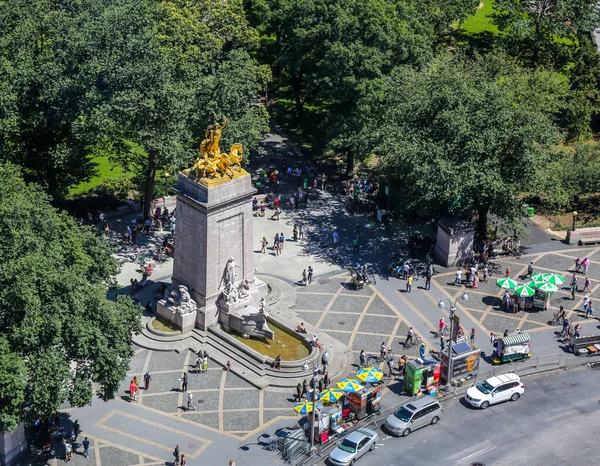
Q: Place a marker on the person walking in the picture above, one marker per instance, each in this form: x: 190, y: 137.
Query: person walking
x: 409, y: 336
x: 442, y: 344
x: 147, y: 380
x: 281, y: 242
x: 507, y: 273
x: 336, y: 236
x: 86, y: 447
x: 299, y: 392
x: 505, y: 333
x: 586, y: 264
x: 472, y: 336
x: 184, y: 382
x: 132, y: 390
x: 301, y: 231
x: 587, y: 285
x: 276, y: 244
x: 355, y: 244
x: 177, y: 456
x: 323, y: 180
x: 326, y: 380
x: 492, y: 338
x: 573, y: 290
x: 485, y: 274
x: 390, y: 365
x: 590, y: 310
x: 205, y: 365
x: 263, y: 245
x: 530, y: 269
x: 409, y: 282
x: 68, y: 450
x: 76, y: 430
x: 310, y: 274
x: 183, y: 460
x: 304, y: 388
x: 304, y: 278
x: 428, y: 280
x: 190, y: 406
x: 362, y: 358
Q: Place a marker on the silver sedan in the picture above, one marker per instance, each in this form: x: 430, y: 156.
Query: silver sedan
x: 353, y: 447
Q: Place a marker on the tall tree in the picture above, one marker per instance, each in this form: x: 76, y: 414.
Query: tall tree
x: 60, y: 333
x: 536, y: 29
x: 468, y: 134
x: 165, y: 70
x: 43, y: 91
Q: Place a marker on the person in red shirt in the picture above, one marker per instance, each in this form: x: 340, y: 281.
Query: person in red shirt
x: 507, y: 272
x: 132, y: 390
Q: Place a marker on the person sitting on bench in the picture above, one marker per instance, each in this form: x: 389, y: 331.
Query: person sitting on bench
x: 301, y: 328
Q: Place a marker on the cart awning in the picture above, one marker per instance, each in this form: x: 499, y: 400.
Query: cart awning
x: 517, y: 339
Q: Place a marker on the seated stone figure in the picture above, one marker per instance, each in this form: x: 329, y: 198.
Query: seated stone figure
x: 181, y: 301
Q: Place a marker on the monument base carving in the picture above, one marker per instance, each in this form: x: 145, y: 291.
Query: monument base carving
x: 185, y: 322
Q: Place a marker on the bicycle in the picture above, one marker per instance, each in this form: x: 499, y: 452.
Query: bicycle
x: 416, y: 341
x: 445, y: 333
x: 374, y: 360
x: 556, y: 320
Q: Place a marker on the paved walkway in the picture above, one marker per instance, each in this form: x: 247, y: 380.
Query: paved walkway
x: 231, y: 416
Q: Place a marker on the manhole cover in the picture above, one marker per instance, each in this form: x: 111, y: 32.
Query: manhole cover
x: 478, y: 464
x: 342, y: 323
x: 200, y: 402
x: 599, y: 402
x: 192, y: 446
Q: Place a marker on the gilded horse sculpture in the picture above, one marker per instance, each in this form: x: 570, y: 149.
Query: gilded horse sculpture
x: 212, y: 164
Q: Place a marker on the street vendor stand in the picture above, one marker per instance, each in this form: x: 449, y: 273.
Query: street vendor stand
x: 463, y: 363
x: 364, y: 401
x: 511, y: 348
x: 422, y: 375
x: 541, y: 300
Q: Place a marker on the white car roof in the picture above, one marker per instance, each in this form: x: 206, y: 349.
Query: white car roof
x: 503, y: 378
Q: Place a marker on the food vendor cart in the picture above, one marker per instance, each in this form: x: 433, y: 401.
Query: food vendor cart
x: 364, y: 401
x: 463, y: 363
x: 511, y: 348
x: 541, y: 300
x: 422, y: 374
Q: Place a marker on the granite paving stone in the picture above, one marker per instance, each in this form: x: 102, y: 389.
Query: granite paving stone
x: 205, y: 401
x: 369, y: 343
x: 593, y: 273
x: 272, y: 414
x: 378, y: 324
x: 339, y: 321
x: 480, y: 302
x: 273, y: 399
x: 240, y: 399
x: 78, y: 459
x: 555, y: 262
x: 325, y: 286
x: 206, y: 419
x: 476, y: 314
x: 312, y: 302
x: 166, y: 403
x: 344, y: 337
x: 240, y: 420
x: 497, y: 324
x: 365, y: 291
x: 308, y: 316
x: 117, y: 457
x: 148, y: 460
x: 165, y: 360
x: 162, y: 383
x: 530, y: 326
x: 575, y: 253
x: 540, y: 316
x: 402, y: 330
x: 354, y: 304
x: 233, y: 381
x: 379, y: 307
x: 209, y: 380
x: 490, y: 288
x: 136, y: 365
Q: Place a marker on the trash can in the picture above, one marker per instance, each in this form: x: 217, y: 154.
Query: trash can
x: 530, y: 211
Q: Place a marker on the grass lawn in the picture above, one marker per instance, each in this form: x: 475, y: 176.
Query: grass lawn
x: 481, y: 20
x: 105, y: 170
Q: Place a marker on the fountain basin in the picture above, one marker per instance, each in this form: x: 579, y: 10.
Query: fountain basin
x: 307, y: 352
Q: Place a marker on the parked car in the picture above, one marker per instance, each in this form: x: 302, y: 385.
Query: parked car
x: 414, y: 415
x: 494, y: 390
x: 353, y: 447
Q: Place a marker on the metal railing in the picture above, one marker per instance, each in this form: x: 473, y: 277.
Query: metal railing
x: 524, y: 368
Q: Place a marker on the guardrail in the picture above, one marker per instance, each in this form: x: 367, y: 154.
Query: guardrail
x: 525, y: 368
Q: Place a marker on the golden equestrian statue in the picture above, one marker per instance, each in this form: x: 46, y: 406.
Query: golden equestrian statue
x: 213, y: 167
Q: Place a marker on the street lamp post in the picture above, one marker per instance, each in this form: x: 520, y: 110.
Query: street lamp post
x: 442, y: 305
x: 315, y: 378
x: 167, y: 175
x: 574, y: 220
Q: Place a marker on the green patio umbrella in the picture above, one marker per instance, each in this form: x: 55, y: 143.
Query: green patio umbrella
x: 548, y: 288
x: 538, y: 277
x: 553, y: 278
x: 524, y: 291
x: 536, y: 283
x: 506, y: 283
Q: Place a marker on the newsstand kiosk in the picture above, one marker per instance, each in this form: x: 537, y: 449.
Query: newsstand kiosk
x: 422, y: 375
x: 464, y: 362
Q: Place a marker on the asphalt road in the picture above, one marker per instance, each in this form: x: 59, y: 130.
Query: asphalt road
x: 556, y: 422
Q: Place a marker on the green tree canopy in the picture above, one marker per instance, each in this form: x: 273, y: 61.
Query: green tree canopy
x: 60, y: 333
x: 480, y: 130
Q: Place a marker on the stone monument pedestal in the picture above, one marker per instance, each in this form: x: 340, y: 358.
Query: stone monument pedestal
x: 214, y: 226
x: 12, y: 445
x: 454, y: 243
x: 185, y: 322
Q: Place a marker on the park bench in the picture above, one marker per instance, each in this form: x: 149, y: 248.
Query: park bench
x: 583, y: 236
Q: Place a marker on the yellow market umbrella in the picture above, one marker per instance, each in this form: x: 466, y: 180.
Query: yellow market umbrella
x: 304, y: 407
x: 369, y: 374
x: 331, y: 395
x: 350, y: 385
